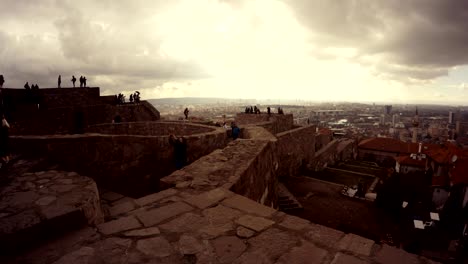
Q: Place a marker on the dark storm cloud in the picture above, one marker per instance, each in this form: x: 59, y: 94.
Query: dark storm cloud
x: 426, y: 34
x: 106, y: 40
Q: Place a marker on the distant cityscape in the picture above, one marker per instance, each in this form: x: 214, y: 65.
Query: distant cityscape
x: 436, y: 123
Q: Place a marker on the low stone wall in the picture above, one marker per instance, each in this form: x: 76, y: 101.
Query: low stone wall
x: 74, y: 120
x: 296, y: 149
x: 280, y: 123
x: 325, y: 156
x: 151, y: 128
x: 246, y: 167
x: 129, y: 164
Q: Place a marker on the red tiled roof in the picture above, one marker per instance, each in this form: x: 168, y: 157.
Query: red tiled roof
x: 459, y: 172
x: 394, y: 145
x: 444, y: 154
x: 407, y: 160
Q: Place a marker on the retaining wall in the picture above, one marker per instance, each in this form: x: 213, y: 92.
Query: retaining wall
x: 296, y: 149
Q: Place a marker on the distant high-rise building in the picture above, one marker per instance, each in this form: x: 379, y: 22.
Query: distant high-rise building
x: 414, y: 138
x: 395, y: 119
x: 451, y: 118
x: 387, y: 109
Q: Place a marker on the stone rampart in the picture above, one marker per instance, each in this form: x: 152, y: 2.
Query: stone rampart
x: 51, y: 97
x: 246, y: 167
x: 75, y: 119
x: 151, y: 128
x: 296, y: 149
x: 129, y: 164
x: 280, y: 123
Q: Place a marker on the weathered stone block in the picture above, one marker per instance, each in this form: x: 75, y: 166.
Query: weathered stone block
x: 294, y: 222
x: 306, y: 253
x: 155, y: 197
x: 155, y: 247
x: 119, y: 225
x: 158, y: 215
x: 46, y: 200
x: 323, y: 235
x: 189, y: 245
x: 255, y: 257
x: 228, y: 248
x: 209, y: 198
x: 220, y: 214
x: 356, y: 244
x: 253, y: 222
x: 243, y: 232
x: 150, y: 231
x: 273, y: 242
x: 341, y: 258
x: 249, y: 206
x: 184, y: 223
x: 121, y: 208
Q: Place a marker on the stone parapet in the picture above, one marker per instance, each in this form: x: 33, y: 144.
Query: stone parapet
x: 36, y: 205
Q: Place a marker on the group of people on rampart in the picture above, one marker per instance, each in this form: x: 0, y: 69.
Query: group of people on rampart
x: 256, y: 110
x: 133, y: 98
x: 73, y: 80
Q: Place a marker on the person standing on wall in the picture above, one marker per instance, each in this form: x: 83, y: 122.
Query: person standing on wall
x: 2, y: 81
x: 186, y: 111
x: 180, y: 150
x: 235, y: 131
x: 73, y: 80
x: 59, y: 81
x: 4, y: 138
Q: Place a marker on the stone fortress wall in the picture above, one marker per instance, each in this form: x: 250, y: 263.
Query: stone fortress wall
x: 218, y: 209
x: 67, y: 110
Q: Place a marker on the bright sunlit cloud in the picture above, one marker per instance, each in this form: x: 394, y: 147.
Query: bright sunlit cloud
x: 266, y: 49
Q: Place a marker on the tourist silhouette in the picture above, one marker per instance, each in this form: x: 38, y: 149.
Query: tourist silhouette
x: 81, y: 81
x: 73, y: 80
x: 59, y: 81
x: 2, y: 81
x: 186, y: 112
x: 26, y: 86
x: 84, y: 81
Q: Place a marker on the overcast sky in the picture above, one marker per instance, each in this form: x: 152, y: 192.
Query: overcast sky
x: 355, y: 50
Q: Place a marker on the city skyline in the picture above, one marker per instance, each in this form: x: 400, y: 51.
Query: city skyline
x: 384, y: 51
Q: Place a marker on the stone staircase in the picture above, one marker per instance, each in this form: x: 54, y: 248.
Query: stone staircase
x: 286, y: 201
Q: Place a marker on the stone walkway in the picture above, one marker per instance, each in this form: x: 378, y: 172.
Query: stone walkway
x: 218, y: 226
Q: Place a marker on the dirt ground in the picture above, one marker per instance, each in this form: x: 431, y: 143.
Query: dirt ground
x: 326, y: 206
